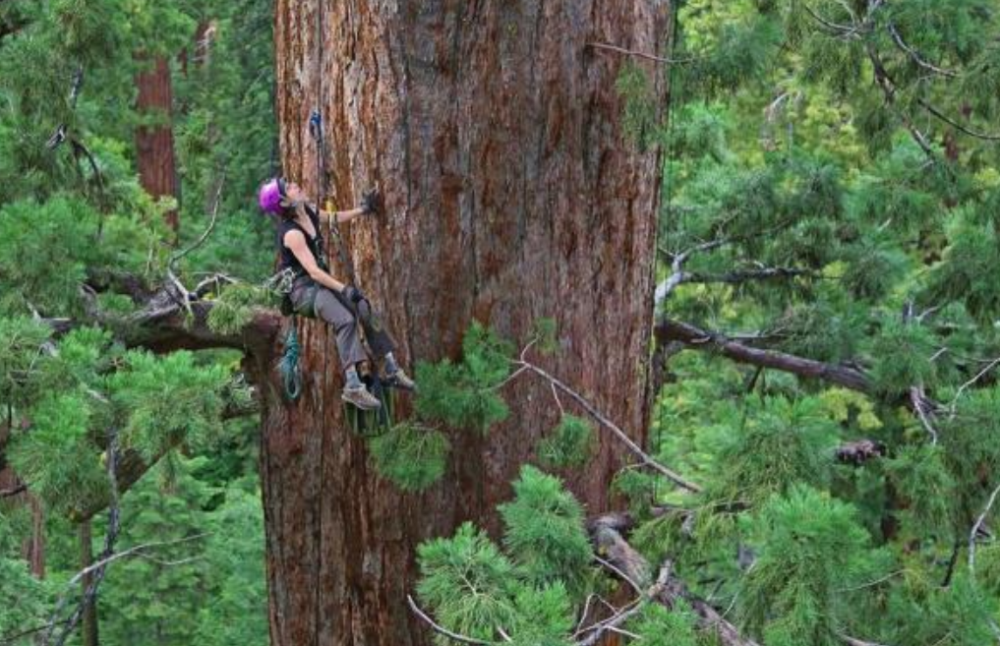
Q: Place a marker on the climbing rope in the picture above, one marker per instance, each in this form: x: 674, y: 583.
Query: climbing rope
x: 291, y: 373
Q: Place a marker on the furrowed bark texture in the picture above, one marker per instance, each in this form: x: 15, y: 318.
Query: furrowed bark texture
x: 155, y: 143
x: 511, y: 193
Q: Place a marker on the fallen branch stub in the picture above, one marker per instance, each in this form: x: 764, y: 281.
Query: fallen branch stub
x: 668, y: 590
x: 859, y: 452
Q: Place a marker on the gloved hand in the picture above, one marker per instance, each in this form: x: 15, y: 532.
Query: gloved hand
x: 353, y: 294
x: 371, y: 201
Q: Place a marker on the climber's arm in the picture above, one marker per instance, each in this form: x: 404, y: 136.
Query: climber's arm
x: 342, y: 216
x: 296, y: 242
x: 371, y: 202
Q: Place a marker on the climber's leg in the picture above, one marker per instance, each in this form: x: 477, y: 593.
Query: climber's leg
x: 381, y: 344
x: 349, y: 348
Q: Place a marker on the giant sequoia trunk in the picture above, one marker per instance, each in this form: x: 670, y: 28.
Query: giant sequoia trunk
x: 494, y: 133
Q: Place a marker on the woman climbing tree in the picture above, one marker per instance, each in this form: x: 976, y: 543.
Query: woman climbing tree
x: 316, y: 293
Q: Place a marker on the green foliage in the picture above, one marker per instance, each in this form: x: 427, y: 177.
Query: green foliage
x: 412, y: 456
x: 57, y: 456
x: 781, y: 443
x: 569, y: 445
x: 168, y: 399
x: 23, y: 601
x: 639, y: 116
x: 206, y: 586
x: 922, y: 472
x: 463, y: 395
x: 544, y: 530
x: 21, y: 340
x: 658, y: 626
x: 531, y: 595
x: 234, y: 308
x: 903, y: 352
x: 44, y: 251
x: 543, y: 616
x: 811, y: 553
x: 468, y: 583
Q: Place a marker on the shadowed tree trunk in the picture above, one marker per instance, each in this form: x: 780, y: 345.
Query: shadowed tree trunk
x: 15, y: 493
x: 154, y: 142
x: 511, y: 195
x: 89, y: 626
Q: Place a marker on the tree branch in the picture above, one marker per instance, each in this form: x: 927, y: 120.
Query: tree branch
x: 917, y: 58
x: 441, y: 630
x: 954, y: 124
x: 976, y: 527
x: 668, y: 589
x: 647, y: 460
x: 668, y: 330
x: 650, y: 57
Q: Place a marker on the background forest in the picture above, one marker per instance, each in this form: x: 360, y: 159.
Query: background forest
x: 827, y: 343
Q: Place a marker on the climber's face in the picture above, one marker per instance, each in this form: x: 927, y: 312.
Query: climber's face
x: 294, y: 195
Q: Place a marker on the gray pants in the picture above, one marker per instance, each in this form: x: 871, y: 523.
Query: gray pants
x: 329, y: 308
x: 347, y: 322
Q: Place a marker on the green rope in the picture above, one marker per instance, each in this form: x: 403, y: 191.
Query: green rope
x: 291, y: 374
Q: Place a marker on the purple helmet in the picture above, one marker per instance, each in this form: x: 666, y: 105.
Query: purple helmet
x: 270, y: 196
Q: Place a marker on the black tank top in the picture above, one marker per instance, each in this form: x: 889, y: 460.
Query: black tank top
x: 315, y: 244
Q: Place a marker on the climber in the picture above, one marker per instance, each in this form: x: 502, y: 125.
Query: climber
x: 315, y: 293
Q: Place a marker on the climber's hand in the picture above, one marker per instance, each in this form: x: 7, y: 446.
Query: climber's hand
x: 371, y: 202
x: 353, y: 294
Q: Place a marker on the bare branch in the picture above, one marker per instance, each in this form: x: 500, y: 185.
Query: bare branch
x: 917, y: 58
x: 7, y: 493
x: 977, y: 526
x: 744, y: 275
x: 99, y: 569
x: 441, y: 629
x: 841, y: 31
x: 990, y: 366
x: 644, y: 55
x: 677, y: 274
x: 211, y: 225
x: 851, y: 641
x: 136, y: 551
x: 954, y: 124
x: 668, y: 330
x: 918, y: 400
x: 614, y: 428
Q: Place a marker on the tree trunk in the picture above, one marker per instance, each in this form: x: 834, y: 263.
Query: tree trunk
x: 16, y: 494
x: 154, y: 142
x: 495, y: 134
x: 90, y: 626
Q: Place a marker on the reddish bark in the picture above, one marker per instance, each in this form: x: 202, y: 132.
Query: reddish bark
x: 33, y: 546
x: 155, y: 143
x: 494, y: 133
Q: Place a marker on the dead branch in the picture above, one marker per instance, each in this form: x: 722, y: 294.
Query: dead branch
x: 208, y: 231
x: 7, y: 493
x: 922, y: 408
x: 954, y: 124
x: 647, y: 460
x: 668, y: 330
x: 859, y: 452
x: 913, y: 54
x: 668, y: 589
x: 976, y: 528
x: 650, y: 57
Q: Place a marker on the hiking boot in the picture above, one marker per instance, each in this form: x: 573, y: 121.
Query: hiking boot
x: 400, y: 380
x: 360, y: 397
